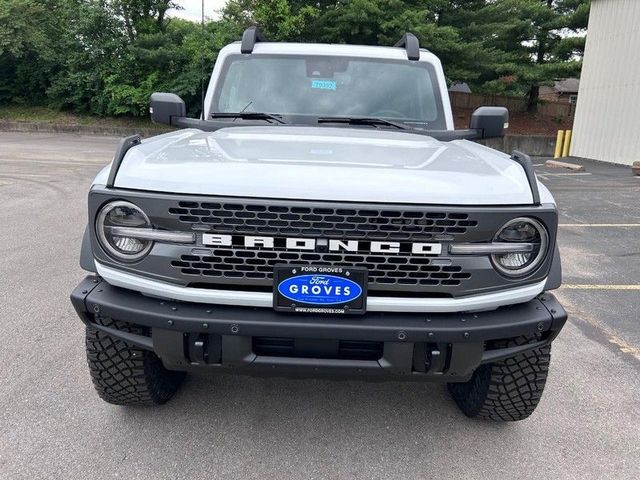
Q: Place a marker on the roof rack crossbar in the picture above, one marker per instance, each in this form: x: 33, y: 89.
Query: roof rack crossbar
x: 411, y: 44
x: 249, y: 39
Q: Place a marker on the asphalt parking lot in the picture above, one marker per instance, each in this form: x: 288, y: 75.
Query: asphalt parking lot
x: 53, y: 425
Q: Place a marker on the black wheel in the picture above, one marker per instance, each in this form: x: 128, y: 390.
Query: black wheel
x: 508, y: 390
x: 127, y: 375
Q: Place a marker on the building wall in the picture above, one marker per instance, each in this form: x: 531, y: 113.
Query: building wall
x: 607, y: 120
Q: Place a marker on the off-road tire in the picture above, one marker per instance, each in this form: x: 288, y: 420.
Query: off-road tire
x: 126, y: 375
x: 508, y: 390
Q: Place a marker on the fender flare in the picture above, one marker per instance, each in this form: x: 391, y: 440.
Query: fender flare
x: 87, y: 261
x: 554, y: 280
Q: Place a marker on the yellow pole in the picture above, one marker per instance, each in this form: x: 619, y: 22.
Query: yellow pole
x: 559, y: 140
x: 567, y: 143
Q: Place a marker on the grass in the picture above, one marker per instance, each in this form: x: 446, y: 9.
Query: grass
x: 22, y: 113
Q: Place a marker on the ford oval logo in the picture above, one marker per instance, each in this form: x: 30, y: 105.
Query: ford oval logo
x: 319, y: 289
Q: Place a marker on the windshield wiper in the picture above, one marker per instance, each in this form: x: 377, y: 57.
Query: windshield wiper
x: 249, y: 116
x: 374, y: 121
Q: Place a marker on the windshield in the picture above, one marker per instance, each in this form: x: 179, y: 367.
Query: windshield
x: 331, y: 86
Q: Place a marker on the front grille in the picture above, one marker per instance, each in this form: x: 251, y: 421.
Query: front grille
x: 256, y: 266
x: 241, y: 268
x: 330, y: 222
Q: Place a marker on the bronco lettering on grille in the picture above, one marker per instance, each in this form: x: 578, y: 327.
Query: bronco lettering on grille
x: 321, y: 245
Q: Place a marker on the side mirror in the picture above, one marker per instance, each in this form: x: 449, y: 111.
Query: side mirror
x: 164, y: 106
x: 491, y: 121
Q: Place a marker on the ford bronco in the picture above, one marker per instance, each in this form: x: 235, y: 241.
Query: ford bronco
x: 322, y: 218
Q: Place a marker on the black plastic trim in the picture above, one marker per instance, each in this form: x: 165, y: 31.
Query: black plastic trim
x: 249, y: 39
x: 87, y: 262
x: 523, y: 319
x: 490, y: 356
x: 123, y: 147
x: 411, y: 44
x: 554, y: 280
x: 132, y: 338
x: 214, y: 125
x: 527, y: 165
x: 420, y: 347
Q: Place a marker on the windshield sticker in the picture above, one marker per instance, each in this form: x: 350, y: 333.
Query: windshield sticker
x: 324, y: 84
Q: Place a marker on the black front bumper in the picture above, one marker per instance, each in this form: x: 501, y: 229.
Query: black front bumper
x: 439, y: 346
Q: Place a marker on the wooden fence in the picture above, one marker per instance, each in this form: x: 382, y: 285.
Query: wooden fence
x: 513, y: 104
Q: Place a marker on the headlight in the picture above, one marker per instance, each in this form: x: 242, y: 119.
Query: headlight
x: 113, y: 220
x: 523, y: 231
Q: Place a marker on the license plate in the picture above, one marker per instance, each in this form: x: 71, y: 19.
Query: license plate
x: 320, y: 289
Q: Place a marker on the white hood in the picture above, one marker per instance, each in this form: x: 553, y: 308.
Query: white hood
x: 321, y: 163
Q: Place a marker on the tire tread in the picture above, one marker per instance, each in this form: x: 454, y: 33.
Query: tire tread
x: 126, y: 375
x: 508, y: 390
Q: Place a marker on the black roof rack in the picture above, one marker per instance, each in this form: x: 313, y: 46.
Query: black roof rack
x: 249, y: 38
x: 411, y: 44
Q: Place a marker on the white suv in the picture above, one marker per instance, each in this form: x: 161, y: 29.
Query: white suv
x: 322, y: 217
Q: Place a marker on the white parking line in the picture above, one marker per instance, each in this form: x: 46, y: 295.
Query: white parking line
x: 563, y: 174
x: 569, y: 286
x: 600, y: 225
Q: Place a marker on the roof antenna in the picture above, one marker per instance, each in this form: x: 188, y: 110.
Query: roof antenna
x: 202, y: 64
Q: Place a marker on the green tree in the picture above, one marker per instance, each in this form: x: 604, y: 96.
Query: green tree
x: 30, y: 47
x: 537, y: 40
x: 107, y: 56
x: 92, y: 41
x: 178, y: 60
x: 437, y: 24
x: 276, y: 18
x: 142, y: 16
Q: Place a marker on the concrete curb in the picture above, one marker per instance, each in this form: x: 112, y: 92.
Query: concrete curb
x: 561, y: 164
x: 107, y: 131
x: 534, y: 145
